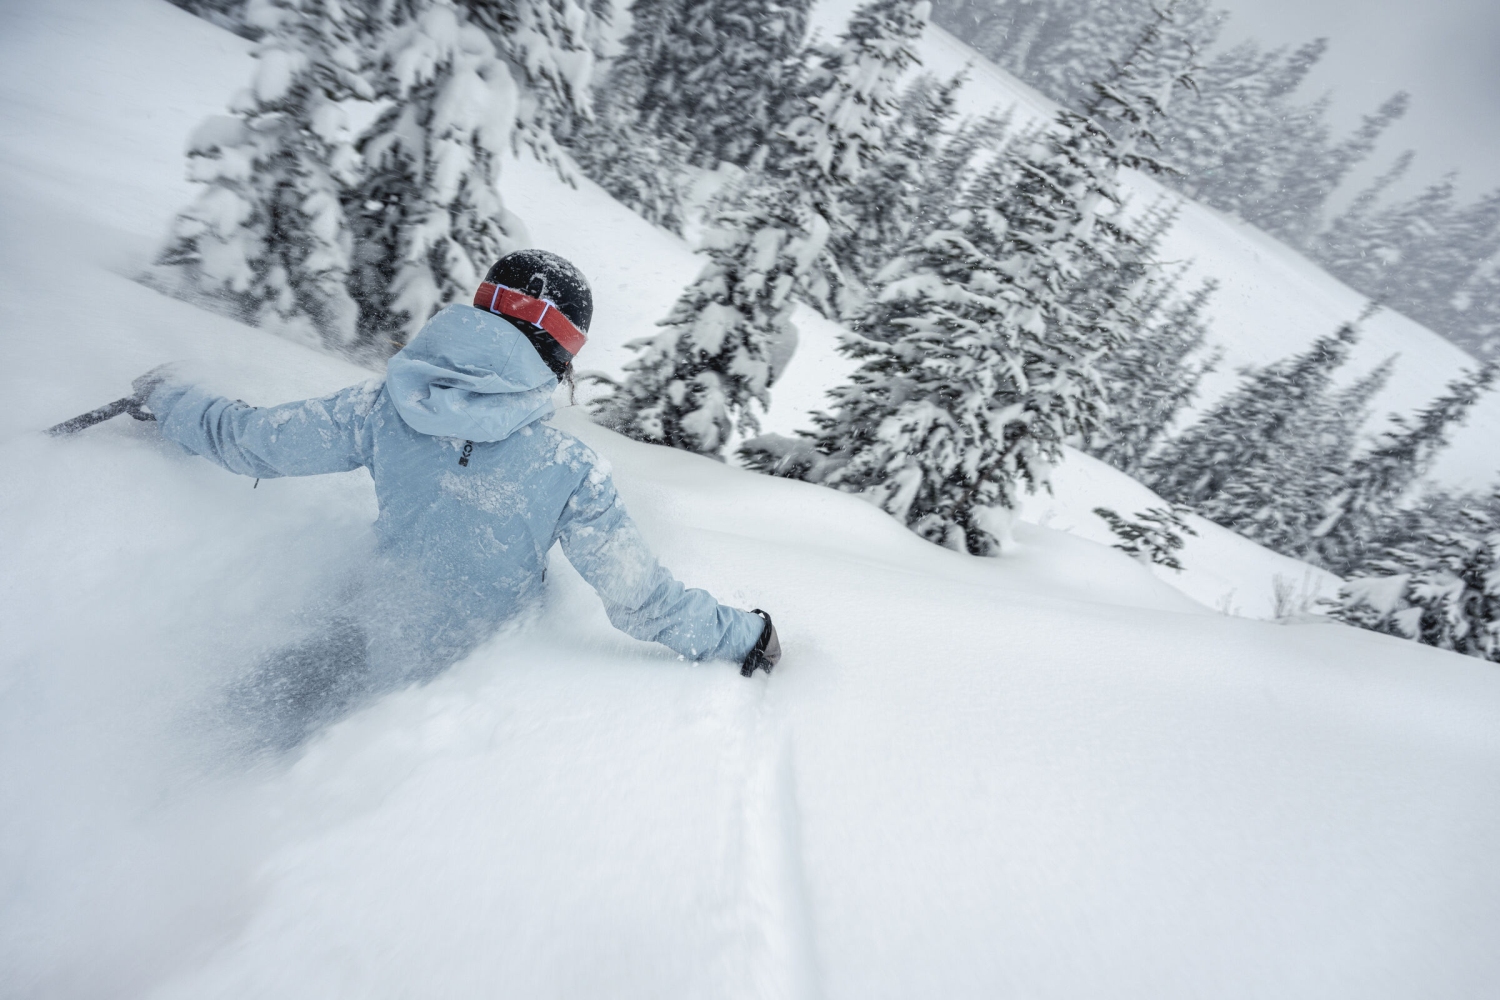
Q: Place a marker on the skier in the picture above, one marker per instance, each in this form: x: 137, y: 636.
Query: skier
x: 473, y: 487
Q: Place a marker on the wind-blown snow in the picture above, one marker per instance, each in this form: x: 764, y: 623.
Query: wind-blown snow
x: 1047, y: 775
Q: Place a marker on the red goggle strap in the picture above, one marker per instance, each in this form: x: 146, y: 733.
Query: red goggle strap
x: 505, y: 301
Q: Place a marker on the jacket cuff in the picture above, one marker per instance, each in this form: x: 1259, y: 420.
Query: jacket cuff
x: 164, y: 396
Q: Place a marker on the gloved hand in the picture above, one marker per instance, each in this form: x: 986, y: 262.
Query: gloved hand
x: 767, y: 651
x: 145, y: 385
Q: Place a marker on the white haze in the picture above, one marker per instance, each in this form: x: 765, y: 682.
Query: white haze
x: 1445, y: 52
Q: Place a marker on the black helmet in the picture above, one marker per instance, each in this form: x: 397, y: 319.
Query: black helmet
x: 532, y: 276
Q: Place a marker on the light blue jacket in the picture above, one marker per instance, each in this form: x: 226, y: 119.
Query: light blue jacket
x: 473, y: 486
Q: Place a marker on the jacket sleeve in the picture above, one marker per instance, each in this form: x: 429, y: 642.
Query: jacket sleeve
x: 642, y: 599
x: 304, y: 438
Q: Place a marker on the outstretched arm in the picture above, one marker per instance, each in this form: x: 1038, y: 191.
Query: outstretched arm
x: 641, y: 598
x: 304, y: 438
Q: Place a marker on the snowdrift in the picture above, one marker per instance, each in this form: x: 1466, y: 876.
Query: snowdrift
x: 1048, y: 775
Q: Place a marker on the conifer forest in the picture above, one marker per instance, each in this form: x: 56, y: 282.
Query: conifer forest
x: 1004, y: 299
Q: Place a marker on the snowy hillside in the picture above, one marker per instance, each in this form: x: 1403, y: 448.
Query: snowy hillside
x: 1272, y: 301
x: 1048, y: 775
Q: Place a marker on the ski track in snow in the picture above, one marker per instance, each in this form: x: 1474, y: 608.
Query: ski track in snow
x: 766, y: 840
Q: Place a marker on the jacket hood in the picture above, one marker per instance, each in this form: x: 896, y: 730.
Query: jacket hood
x: 469, y: 374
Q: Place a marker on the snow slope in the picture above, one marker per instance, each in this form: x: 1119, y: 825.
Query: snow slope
x: 1049, y: 775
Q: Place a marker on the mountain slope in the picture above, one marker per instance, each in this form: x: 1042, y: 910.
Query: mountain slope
x: 1272, y: 301
x: 1048, y: 775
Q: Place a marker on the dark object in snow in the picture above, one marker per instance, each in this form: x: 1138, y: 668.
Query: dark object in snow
x: 128, y: 404
x: 134, y: 404
x: 767, y: 651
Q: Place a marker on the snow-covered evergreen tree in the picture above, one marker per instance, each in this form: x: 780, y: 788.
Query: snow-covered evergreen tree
x: 1151, y: 377
x: 1207, y: 128
x: 1443, y: 591
x: 976, y: 366
x: 843, y: 129
x: 714, y: 76
x: 1426, y: 256
x: 430, y: 216
x: 1313, y: 466
x: 1061, y: 46
x: 1154, y: 537
x: 310, y: 228
x: 1008, y: 32
x: 1477, y: 327
x: 1231, y: 463
x: 851, y: 106
x: 1311, y: 168
x: 268, y: 238
x: 645, y: 171
x: 1245, y: 145
x: 880, y: 208
x: 551, y: 48
x: 644, y: 50
x: 1243, y: 142
x: 640, y: 167
x: 694, y: 383
x: 1270, y: 136
x: 1098, y: 37
x: 1350, y: 247
x: 1340, y: 428
x: 1353, y: 517
x: 949, y: 176
x: 936, y: 426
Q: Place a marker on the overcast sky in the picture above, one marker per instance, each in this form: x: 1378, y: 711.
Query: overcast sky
x: 1445, y: 52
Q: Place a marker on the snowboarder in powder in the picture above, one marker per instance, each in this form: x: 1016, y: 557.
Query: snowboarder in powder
x: 473, y: 485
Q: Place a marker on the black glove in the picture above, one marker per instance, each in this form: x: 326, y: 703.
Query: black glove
x: 767, y: 651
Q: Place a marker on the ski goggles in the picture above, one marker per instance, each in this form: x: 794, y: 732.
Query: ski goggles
x: 542, y: 313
